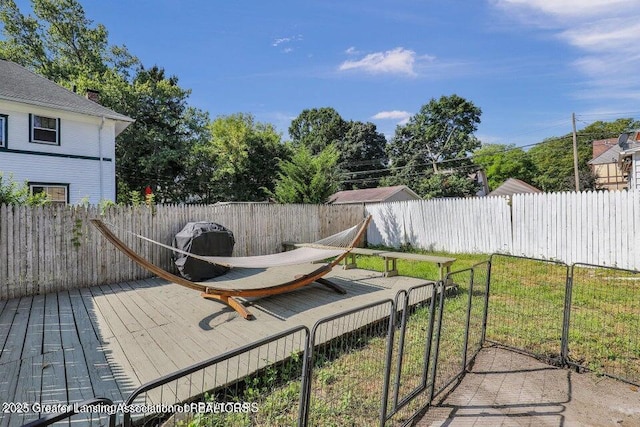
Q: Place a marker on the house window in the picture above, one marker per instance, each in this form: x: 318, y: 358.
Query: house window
x: 45, y: 130
x: 56, y: 193
x: 3, y: 130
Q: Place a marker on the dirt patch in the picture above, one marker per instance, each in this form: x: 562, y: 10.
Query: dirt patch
x: 510, y: 389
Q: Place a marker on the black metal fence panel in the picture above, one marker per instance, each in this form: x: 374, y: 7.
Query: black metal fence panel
x: 604, y: 321
x: 260, y: 384
x: 408, y: 370
x: 478, y: 295
x: 459, y: 329
x: 526, y: 305
x: 347, y: 365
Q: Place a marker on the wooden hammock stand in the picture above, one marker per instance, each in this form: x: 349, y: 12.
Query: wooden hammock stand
x: 228, y: 295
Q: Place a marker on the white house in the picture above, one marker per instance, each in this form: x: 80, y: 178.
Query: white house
x: 629, y: 159
x: 57, y: 141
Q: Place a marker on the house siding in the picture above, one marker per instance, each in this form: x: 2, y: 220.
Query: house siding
x: 76, y: 161
x: 634, y: 179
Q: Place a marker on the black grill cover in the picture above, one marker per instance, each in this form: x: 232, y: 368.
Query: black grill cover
x: 202, y: 238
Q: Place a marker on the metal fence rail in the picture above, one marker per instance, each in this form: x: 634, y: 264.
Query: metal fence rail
x: 459, y: 329
x: 603, y: 321
x: 526, y: 305
x: 356, y: 345
x: 407, y: 373
x: 229, y: 389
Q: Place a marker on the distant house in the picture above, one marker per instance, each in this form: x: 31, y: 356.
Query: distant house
x: 604, y: 165
x: 629, y: 160
x: 514, y: 186
x: 59, y: 142
x: 373, y: 195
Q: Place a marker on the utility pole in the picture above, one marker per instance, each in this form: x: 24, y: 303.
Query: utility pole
x: 575, y: 152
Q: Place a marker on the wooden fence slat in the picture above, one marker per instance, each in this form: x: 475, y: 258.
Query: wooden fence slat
x: 54, y: 248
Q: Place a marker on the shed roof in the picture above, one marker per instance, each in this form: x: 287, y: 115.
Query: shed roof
x: 18, y: 84
x: 369, y: 195
x: 514, y: 186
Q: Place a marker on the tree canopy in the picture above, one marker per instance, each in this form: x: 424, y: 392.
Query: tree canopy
x: 361, y: 148
x: 317, y: 128
x: 307, y: 178
x: 501, y: 162
x: 240, y: 160
x: 553, y: 158
x: 436, y: 140
x: 62, y: 44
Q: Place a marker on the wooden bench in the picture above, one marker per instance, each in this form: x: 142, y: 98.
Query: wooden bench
x: 390, y: 259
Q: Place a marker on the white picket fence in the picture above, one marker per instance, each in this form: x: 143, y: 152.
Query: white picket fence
x: 589, y: 227
x: 474, y: 225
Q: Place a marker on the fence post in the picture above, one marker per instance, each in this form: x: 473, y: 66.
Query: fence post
x: 564, y: 343
x: 305, y: 386
x: 485, y: 314
x: 434, y: 368
x: 403, y: 329
x: 468, y: 322
x: 389, y: 355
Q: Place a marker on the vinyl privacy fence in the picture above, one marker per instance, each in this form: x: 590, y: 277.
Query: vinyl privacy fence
x: 573, y: 227
x: 47, y: 249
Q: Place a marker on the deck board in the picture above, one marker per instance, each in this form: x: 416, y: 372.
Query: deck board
x: 52, y: 340
x: 16, y: 334
x: 35, y: 329
x: 105, y: 341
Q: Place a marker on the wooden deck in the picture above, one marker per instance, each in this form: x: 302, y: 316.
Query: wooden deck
x: 105, y: 341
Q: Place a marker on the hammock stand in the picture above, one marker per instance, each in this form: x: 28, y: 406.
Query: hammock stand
x: 275, y: 275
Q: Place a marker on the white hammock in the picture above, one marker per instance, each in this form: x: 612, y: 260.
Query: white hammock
x: 329, y: 247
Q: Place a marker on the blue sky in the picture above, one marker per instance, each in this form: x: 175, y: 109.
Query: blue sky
x: 528, y: 64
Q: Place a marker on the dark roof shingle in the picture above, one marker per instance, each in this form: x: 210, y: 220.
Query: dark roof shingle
x: 18, y: 84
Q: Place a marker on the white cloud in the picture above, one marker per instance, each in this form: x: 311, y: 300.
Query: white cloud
x: 396, y: 61
x: 605, y: 35
x: 402, y: 117
x: 286, y: 41
x: 392, y: 115
x: 564, y: 9
x: 605, y: 31
x: 352, y: 51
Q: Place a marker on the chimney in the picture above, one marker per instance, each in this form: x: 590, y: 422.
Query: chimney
x: 93, y: 95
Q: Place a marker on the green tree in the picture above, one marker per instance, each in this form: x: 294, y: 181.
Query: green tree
x: 501, y: 162
x: 62, y: 44
x: 363, y: 158
x: 317, y: 128
x: 361, y: 148
x: 436, y: 140
x: 240, y: 161
x: 307, y: 178
x: 553, y: 158
x: 152, y: 151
